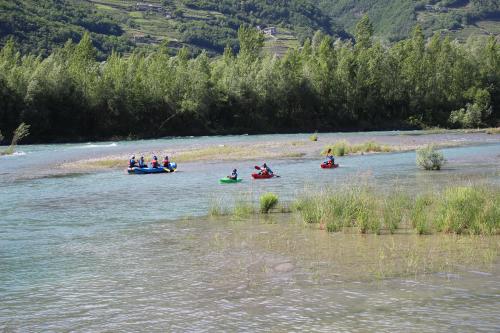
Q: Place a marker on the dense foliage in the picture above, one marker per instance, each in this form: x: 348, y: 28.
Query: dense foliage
x: 324, y: 85
x: 40, y: 26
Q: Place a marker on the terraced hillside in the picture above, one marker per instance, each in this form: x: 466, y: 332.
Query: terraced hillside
x: 212, y: 25
x: 124, y: 25
x: 393, y: 20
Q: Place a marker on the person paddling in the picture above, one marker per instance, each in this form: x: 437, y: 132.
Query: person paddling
x: 234, y: 175
x: 132, y: 162
x: 166, y: 162
x: 265, y: 170
x: 154, y: 162
x: 142, y: 164
x: 329, y: 158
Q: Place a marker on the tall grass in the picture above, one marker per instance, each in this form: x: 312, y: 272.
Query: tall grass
x: 243, y: 208
x: 314, y: 137
x: 217, y: 208
x: 470, y: 210
x: 459, y: 210
x: 20, y: 133
x: 494, y: 130
x: 343, y: 147
x: 267, y: 202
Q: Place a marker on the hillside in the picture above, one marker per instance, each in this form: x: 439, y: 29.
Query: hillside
x: 125, y: 25
x: 40, y: 26
x: 393, y: 20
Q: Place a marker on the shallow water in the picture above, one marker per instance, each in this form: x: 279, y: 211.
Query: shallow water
x: 110, y: 251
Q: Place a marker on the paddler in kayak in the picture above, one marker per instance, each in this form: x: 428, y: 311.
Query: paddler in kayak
x: 132, y: 162
x: 329, y: 159
x: 154, y: 162
x: 234, y: 175
x: 265, y: 170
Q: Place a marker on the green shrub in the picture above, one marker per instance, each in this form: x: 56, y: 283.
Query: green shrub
x: 429, y: 158
x: 314, y: 137
x: 267, y: 202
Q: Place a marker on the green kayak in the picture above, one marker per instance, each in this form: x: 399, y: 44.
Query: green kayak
x: 229, y: 181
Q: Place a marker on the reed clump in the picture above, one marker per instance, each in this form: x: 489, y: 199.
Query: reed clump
x: 314, y: 137
x: 458, y: 210
x: 343, y: 147
x: 494, y: 130
x: 243, y: 208
x: 20, y: 133
x: 267, y: 202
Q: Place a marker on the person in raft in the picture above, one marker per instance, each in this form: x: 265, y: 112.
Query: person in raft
x: 265, y: 170
x: 234, y: 175
x: 132, y: 162
x: 166, y: 163
x: 154, y: 162
x: 142, y: 164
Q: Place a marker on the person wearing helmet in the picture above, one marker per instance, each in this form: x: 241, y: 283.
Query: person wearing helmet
x: 132, y: 162
x: 234, y: 175
x: 154, y: 162
x: 166, y: 162
x: 142, y: 164
x: 265, y: 170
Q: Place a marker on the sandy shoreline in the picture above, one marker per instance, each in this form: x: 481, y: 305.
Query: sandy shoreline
x: 297, y: 149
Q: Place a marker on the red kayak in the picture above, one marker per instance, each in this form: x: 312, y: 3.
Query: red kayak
x: 262, y: 175
x: 329, y: 166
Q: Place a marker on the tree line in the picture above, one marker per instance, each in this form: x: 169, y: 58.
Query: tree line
x: 325, y: 85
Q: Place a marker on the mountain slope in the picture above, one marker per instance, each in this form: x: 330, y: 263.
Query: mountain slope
x: 124, y: 25
x: 39, y: 26
x: 393, y: 20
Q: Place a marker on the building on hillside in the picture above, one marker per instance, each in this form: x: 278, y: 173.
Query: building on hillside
x: 271, y: 31
x: 435, y: 8
x: 144, y: 6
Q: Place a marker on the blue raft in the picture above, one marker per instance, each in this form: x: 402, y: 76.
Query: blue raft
x: 144, y: 171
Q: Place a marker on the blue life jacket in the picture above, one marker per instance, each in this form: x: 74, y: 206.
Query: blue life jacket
x: 131, y: 163
x: 141, y: 163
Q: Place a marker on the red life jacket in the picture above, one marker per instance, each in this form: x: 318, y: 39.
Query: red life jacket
x: 154, y: 163
x: 165, y: 163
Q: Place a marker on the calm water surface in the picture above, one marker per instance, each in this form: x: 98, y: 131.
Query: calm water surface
x: 115, y: 252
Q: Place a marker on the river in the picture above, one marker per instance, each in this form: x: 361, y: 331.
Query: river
x: 107, y: 251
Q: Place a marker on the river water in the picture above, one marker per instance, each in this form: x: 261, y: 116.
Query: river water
x: 108, y: 251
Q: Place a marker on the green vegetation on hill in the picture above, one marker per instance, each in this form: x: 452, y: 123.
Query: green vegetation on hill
x: 40, y: 26
x: 393, y: 20
x: 325, y: 85
x: 125, y: 25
